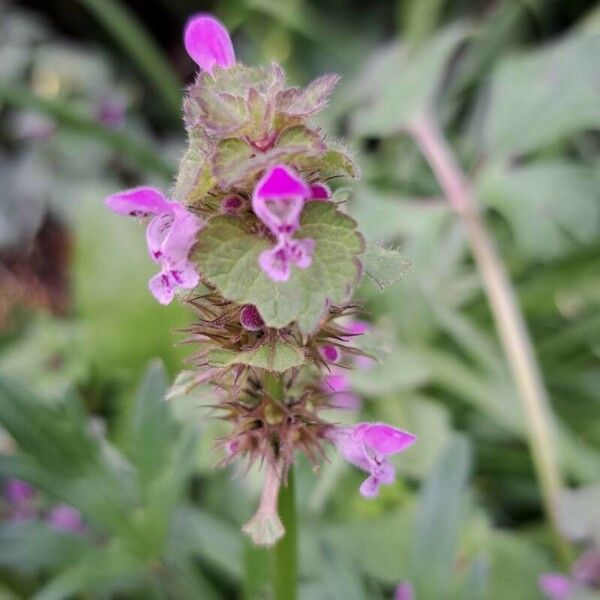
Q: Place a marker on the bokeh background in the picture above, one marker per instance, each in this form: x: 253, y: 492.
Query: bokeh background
x: 123, y: 499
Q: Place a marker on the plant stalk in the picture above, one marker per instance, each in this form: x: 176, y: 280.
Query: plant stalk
x: 508, y: 318
x: 284, y: 555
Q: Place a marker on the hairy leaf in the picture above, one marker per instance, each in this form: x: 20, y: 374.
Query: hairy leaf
x: 228, y: 257
x: 277, y: 357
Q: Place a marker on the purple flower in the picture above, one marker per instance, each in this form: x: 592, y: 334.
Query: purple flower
x: 170, y: 236
x: 367, y: 446
x: 63, y: 517
x: 110, y: 112
x: 404, y: 591
x: 337, y: 384
x: 20, y: 496
x: 279, y: 198
x: 208, y: 43
x: 277, y: 261
x: 556, y: 586
x: 17, y: 491
x: 250, y: 318
x: 320, y: 192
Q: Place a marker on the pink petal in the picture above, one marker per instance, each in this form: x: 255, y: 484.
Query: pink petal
x: 138, y: 202
x: 17, y: 491
x: 275, y: 263
x: 320, y: 191
x: 337, y: 382
x: 370, y: 487
x: 556, y: 586
x: 172, y: 234
x: 63, y: 517
x: 301, y: 251
x: 357, y: 327
x: 208, y: 43
x: 384, y: 439
x: 162, y: 288
x: 281, y: 181
x: 404, y: 591
x: 184, y: 275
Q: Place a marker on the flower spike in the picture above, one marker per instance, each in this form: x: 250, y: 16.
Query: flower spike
x: 208, y: 43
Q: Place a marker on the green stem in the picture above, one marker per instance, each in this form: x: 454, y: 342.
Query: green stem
x: 69, y: 116
x: 284, y: 555
x: 256, y: 571
x: 135, y: 41
x: 508, y: 318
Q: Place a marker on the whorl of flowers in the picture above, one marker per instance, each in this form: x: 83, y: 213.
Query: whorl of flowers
x: 252, y: 238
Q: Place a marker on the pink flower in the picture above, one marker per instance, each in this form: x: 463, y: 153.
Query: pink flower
x: 278, y: 201
x: 337, y: 384
x: 250, y: 318
x: 170, y: 236
x: 277, y: 261
x: 320, y: 191
x: 17, y: 491
x: 279, y: 198
x: 63, y: 517
x: 208, y: 43
x: 556, y: 586
x: 367, y: 446
x: 404, y: 591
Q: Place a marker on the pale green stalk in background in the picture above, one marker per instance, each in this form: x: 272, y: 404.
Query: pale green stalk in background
x: 508, y: 318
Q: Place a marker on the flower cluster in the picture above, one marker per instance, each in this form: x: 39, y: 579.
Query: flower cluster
x: 21, y: 501
x: 253, y: 239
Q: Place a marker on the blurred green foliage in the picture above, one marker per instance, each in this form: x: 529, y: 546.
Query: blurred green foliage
x: 517, y: 88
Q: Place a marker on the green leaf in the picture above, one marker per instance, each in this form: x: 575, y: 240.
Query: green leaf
x: 515, y: 565
x: 544, y: 96
x: 552, y: 206
x: 278, y: 357
x: 336, y: 162
x: 411, y: 82
x: 152, y: 426
x: 108, y: 568
x: 33, y: 545
x: 438, y: 520
x: 309, y: 100
x: 235, y: 162
x: 228, y: 257
x: 201, y: 534
x: 194, y: 178
x: 384, y: 266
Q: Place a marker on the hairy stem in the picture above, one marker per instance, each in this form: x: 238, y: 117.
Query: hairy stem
x: 284, y: 554
x: 508, y: 318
